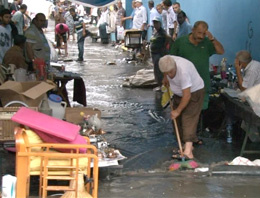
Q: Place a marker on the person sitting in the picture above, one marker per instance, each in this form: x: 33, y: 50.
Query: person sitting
x: 250, y: 78
x: 251, y: 69
x: 15, y: 54
x: 188, y: 88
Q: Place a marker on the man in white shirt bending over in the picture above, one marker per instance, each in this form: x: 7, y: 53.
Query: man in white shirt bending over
x: 188, y: 88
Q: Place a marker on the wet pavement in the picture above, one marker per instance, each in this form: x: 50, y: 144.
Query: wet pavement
x: 147, y: 143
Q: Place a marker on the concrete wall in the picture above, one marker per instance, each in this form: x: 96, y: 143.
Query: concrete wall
x: 233, y: 22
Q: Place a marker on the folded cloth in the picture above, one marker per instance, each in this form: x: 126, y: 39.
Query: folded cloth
x: 79, y: 93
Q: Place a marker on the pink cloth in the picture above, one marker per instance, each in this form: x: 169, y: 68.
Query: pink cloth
x: 59, y: 31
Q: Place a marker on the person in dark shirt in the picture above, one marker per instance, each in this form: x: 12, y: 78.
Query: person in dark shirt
x: 14, y: 7
x: 158, y: 49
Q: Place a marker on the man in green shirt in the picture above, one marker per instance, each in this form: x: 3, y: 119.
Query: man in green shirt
x: 197, y: 47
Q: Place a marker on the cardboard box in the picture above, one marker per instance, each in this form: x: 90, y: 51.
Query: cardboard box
x: 73, y: 114
x: 31, y: 93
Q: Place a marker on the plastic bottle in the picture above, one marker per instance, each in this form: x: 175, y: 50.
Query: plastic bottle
x: 223, y: 68
x: 44, y: 107
x: 229, y: 133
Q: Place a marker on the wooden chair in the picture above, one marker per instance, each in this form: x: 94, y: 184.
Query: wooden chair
x: 42, y: 159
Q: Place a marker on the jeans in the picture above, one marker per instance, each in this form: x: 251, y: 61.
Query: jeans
x: 80, y: 45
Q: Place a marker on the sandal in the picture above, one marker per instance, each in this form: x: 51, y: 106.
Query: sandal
x: 198, y: 142
x: 176, y: 151
x: 183, y: 158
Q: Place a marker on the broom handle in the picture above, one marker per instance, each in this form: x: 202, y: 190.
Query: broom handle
x: 175, y: 125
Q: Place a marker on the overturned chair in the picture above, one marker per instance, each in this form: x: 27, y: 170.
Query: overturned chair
x: 53, y: 161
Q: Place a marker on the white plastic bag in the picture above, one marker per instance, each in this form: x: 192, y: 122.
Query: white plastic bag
x: 120, y: 33
x: 54, y: 54
x: 252, y: 96
x: 8, y: 186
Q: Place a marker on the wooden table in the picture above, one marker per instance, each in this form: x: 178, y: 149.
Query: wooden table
x: 235, y: 107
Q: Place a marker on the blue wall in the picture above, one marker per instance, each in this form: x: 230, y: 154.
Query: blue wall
x: 235, y: 23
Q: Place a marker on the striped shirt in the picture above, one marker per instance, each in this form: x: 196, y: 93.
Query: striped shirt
x: 78, y: 23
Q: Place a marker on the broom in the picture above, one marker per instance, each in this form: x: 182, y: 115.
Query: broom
x: 183, y: 163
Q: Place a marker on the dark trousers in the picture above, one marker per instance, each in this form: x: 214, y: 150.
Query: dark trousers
x: 158, y: 75
x: 81, y: 41
x: 171, y: 31
x: 144, y: 34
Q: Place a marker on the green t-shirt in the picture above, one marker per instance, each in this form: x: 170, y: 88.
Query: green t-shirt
x: 199, y: 56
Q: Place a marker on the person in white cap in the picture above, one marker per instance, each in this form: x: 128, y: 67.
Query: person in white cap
x: 188, y: 89
x: 140, y: 18
x: 158, y: 49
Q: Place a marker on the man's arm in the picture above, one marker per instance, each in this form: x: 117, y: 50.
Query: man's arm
x: 144, y: 18
x: 174, y: 36
x: 29, y: 51
x: 239, y: 75
x: 218, y: 46
x: 186, y: 95
x: 84, y: 29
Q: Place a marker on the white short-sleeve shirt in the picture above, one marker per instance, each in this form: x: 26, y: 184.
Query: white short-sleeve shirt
x: 186, y: 76
x: 251, y: 74
x: 153, y: 13
x: 171, y: 17
x: 140, y: 17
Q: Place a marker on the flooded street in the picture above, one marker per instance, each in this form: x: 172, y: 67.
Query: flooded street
x: 147, y: 143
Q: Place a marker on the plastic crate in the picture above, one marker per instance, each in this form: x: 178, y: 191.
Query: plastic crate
x: 6, y: 124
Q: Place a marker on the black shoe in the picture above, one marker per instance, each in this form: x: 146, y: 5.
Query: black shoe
x: 80, y: 60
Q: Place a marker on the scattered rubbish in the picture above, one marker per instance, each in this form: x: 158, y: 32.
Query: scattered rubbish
x: 111, y: 63
x: 142, y: 78
x: 202, y: 169
x: 156, y: 117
